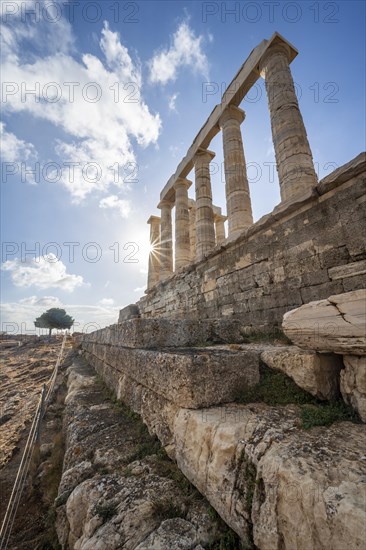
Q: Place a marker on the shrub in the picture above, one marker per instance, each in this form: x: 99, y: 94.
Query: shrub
x: 106, y: 511
x: 325, y: 414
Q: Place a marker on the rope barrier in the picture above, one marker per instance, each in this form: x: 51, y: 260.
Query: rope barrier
x: 23, y: 469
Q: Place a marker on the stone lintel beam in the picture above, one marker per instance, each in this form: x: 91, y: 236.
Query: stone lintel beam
x: 182, y: 230
x: 245, y: 78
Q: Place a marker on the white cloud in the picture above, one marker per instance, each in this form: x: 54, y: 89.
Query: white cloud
x: 42, y: 272
x: 106, y: 302
x: 39, y: 21
x: 172, y: 102
x: 20, y: 316
x: 123, y: 206
x: 45, y: 301
x: 100, y: 132
x: 14, y: 150
x: 185, y: 51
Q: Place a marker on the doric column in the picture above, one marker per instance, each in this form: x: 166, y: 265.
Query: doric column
x: 154, y: 256
x: 192, y: 228
x: 182, y: 240
x: 219, y: 227
x: 238, y: 204
x: 293, y: 155
x: 205, y: 231
x: 166, y: 245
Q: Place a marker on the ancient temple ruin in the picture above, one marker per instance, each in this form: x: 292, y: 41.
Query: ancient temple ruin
x: 184, y: 356
x: 199, y: 226
x: 308, y: 248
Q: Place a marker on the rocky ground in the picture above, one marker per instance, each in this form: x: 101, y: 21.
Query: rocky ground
x: 24, y: 367
x: 115, y: 486
x: 26, y: 364
x: 119, y: 490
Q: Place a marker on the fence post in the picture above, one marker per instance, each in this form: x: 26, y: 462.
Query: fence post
x: 41, y: 412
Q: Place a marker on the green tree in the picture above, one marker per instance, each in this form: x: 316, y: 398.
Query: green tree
x: 54, y: 318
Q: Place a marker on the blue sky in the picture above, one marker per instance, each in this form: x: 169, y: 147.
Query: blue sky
x: 120, y: 91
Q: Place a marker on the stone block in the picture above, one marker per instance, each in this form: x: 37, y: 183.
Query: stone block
x: 129, y: 312
x: 334, y: 325
x: 353, y: 383
x: 191, y: 378
x: 166, y: 333
x: 345, y: 172
x: 316, y: 374
x: 348, y: 270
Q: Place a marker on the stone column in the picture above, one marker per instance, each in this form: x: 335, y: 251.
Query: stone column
x: 154, y: 256
x: 220, y: 228
x: 182, y: 239
x: 205, y: 230
x: 192, y: 228
x: 166, y: 245
x: 238, y: 204
x: 293, y: 155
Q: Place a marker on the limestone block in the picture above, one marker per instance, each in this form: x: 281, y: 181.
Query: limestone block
x: 190, y: 378
x: 256, y: 467
x: 353, y: 383
x: 334, y: 325
x: 316, y: 374
x: 162, y: 333
x: 129, y: 312
x: 348, y: 270
x: 344, y: 173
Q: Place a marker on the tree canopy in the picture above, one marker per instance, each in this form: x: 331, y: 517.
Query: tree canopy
x: 54, y: 318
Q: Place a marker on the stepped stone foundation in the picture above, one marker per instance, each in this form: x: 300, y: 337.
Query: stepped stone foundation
x: 180, y: 357
x: 305, y: 251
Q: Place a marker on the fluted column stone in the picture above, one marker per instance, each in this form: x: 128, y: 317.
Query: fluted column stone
x: 192, y: 228
x: 238, y: 203
x: 294, y: 159
x: 182, y: 237
x: 205, y: 230
x: 220, y: 228
x: 154, y: 256
x: 166, y: 244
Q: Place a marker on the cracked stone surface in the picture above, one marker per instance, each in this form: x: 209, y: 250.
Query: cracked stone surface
x: 108, y: 499
x: 334, y: 325
x: 287, y: 488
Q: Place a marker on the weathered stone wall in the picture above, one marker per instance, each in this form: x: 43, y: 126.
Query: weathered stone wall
x: 305, y: 251
x: 273, y: 483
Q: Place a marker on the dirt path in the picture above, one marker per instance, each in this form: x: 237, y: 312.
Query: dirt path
x: 23, y: 371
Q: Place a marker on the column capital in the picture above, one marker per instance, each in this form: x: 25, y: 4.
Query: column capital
x: 182, y: 181
x: 165, y: 203
x: 220, y: 218
x: 232, y: 113
x: 277, y: 48
x: 153, y: 219
x: 203, y: 155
